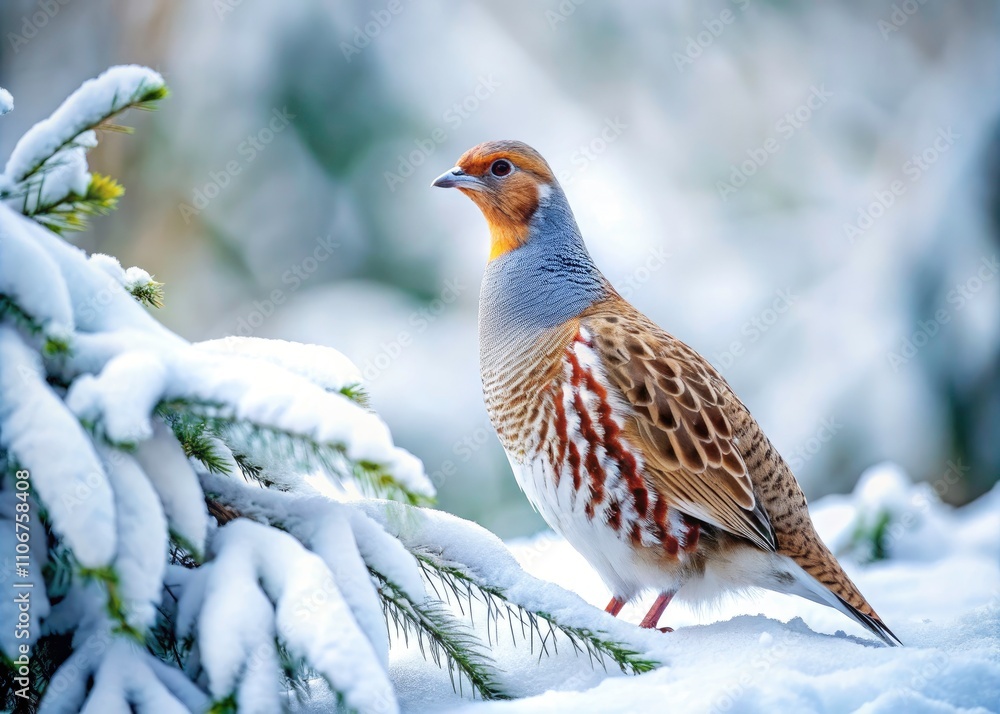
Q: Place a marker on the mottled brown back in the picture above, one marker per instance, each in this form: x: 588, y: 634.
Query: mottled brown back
x: 704, y: 448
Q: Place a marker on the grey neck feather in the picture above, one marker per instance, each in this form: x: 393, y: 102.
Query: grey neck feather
x: 543, y: 283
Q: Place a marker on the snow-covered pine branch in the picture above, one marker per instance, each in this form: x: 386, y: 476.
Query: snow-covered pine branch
x: 179, y: 553
x: 47, y: 176
x: 472, y: 563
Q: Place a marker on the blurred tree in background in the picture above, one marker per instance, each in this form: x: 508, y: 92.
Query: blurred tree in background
x: 807, y: 195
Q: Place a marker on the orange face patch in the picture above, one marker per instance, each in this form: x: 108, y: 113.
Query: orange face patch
x: 507, y: 202
x: 508, y: 212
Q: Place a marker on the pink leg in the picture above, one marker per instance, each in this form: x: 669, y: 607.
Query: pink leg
x: 659, y: 605
x: 615, y: 606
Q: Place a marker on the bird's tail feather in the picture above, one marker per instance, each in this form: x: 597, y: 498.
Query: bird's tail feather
x: 808, y: 586
x: 872, y: 622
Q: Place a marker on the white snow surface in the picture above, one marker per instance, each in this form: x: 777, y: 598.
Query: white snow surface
x: 125, y: 678
x: 98, y: 301
x: 6, y: 101
x: 24, y: 266
x: 758, y: 652
x: 323, y: 366
x: 123, y: 396
x: 235, y: 629
x: 171, y: 475
x: 66, y: 174
x: 332, y: 539
x: 129, y: 279
x: 346, y: 540
x: 237, y: 626
x: 141, y: 561
x: 70, y: 480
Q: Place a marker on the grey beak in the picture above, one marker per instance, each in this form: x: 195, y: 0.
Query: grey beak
x: 456, y: 178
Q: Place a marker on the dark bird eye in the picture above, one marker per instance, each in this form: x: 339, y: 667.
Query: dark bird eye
x: 500, y: 167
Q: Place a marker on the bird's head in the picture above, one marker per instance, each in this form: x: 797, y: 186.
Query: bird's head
x: 508, y: 180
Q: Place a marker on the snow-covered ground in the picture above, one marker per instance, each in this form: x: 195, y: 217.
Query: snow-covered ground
x: 939, y: 590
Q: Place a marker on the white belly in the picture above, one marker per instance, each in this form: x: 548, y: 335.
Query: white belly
x: 618, y: 563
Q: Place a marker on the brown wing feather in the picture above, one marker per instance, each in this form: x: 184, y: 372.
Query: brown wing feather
x: 680, y: 421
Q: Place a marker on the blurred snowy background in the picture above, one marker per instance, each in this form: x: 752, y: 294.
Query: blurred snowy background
x: 807, y: 195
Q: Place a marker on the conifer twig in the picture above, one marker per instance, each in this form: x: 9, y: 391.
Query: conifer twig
x: 54, y: 344
x: 246, y: 438
x: 533, y: 624
x: 441, y: 638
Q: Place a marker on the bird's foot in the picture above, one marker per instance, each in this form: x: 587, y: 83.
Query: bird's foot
x: 614, y: 607
x: 659, y: 605
x: 665, y: 629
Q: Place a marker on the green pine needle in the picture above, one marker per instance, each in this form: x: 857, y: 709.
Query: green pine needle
x: 115, y: 605
x: 104, y: 190
x: 47, y: 655
x: 148, y: 96
x: 441, y: 638
x: 145, y: 98
x: 195, y: 438
x: 184, y: 551
x: 56, y: 346
x: 116, y: 128
x: 227, y: 705
x: 73, y: 211
x: 357, y: 394
x: 458, y: 584
x: 628, y: 660
x: 150, y: 293
x: 53, y: 346
x: 250, y: 470
x: 58, y: 570
x: 247, y: 440
x: 296, y: 674
x: 163, y: 642
x: 380, y: 482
